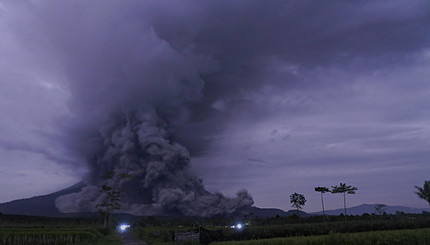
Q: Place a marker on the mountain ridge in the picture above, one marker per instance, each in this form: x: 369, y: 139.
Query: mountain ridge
x: 370, y: 209
x: 44, y: 205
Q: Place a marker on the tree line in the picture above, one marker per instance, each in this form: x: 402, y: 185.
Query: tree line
x: 298, y: 200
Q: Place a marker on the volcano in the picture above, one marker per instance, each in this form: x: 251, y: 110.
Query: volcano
x: 45, y: 206
x: 39, y: 205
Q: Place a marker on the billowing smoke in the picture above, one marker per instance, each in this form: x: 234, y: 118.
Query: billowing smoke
x: 158, y: 173
x: 133, y: 91
x: 151, y: 82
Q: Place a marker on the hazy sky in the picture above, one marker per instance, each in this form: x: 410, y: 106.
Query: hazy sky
x: 275, y: 97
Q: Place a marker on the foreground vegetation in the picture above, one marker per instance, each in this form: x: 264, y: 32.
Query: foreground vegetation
x: 284, y: 227
x: 398, y: 237
x: 52, y: 236
x: 33, y: 230
x: 366, y: 229
x: 312, y: 229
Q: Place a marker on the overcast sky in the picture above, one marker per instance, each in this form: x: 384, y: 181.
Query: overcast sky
x: 275, y: 97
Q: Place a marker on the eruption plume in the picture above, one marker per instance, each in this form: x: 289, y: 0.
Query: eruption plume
x: 159, y: 182
x: 142, y: 86
x: 133, y: 89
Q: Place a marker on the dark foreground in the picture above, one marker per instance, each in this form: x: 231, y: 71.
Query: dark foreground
x: 127, y: 238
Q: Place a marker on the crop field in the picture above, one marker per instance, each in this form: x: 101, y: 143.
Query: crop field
x: 47, y: 235
x: 397, y: 237
x: 391, y: 230
x: 33, y: 230
x: 312, y: 229
x: 358, y: 230
x: 53, y: 236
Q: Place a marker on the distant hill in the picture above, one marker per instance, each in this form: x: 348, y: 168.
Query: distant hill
x: 272, y: 212
x: 370, y: 208
x: 39, y: 205
x: 45, y: 206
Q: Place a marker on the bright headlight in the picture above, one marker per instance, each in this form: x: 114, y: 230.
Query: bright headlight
x: 123, y: 227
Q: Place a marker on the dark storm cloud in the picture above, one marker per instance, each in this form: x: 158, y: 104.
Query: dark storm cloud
x: 367, y: 131
x: 115, y: 53
x: 195, y: 67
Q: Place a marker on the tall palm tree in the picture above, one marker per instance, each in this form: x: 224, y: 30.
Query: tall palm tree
x: 322, y: 190
x: 424, y: 192
x: 344, y: 189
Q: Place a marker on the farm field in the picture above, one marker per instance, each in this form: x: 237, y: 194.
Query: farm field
x: 53, y: 236
x: 357, y: 230
x: 396, y: 237
x: 34, y: 230
x: 392, y: 237
x: 380, y: 230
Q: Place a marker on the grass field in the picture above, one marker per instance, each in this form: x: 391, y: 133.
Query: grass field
x: 54, y: 236
x: 35, y: 230
x: 397, y: 237
x: 313, y: 229
x: 408, y: 230
x: 364, y: 230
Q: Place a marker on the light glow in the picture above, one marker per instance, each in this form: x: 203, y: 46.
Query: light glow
x: 123, y: 227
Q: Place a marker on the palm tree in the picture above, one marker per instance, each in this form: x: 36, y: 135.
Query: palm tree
x: 322, y: 190
x: 424, y: 192
x: 344, y: 189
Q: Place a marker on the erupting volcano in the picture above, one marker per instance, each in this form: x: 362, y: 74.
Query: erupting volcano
x: 158, y: 180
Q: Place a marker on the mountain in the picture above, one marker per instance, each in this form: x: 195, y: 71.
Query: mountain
x: 370, y: 208
x: 266, y: 212
x: 272, y: 212
x: 45, y: 206
x: 39, y: 205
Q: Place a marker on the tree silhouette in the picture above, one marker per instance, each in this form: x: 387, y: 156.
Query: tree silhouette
x: 380, y: 209
x: 110, y: 202
x: 112, y: 196
x: 298, y: 200
x: 344, y: 189
x: 424, y: 192
x: 322, y: 190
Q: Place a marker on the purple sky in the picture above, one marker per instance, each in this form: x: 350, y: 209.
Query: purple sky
x: 275, y: 97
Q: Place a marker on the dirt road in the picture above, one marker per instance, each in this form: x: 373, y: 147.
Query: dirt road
x: 128, y: 239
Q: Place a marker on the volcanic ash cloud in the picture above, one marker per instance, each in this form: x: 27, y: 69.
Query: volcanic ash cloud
x: 159, y: 179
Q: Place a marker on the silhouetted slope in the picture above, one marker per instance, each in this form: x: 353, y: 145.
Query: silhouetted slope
x: 370, y: 208
x: 45, y: 206
x: 272, y: 212
x: 39, y: 205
